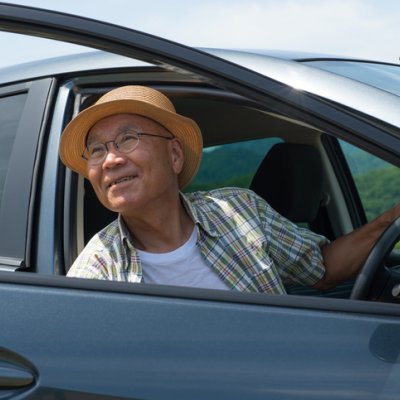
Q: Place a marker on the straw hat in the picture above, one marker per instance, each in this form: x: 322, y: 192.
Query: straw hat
x: 138, y: 100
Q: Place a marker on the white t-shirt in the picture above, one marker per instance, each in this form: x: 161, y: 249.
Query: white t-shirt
x: 182, y: 267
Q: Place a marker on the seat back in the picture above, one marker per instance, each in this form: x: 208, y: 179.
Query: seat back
x: 290, y: 180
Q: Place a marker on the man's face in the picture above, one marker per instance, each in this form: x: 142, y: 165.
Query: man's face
x: 138, y: 181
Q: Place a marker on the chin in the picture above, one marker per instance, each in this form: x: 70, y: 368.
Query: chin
x: 122, y: 205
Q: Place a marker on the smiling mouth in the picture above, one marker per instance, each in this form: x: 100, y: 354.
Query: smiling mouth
x: 121, y: 180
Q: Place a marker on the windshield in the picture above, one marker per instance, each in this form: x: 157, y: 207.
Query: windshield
x: 382, y: 76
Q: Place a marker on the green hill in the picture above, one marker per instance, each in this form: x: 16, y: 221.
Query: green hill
x: 360, y: 161
x: 377, y: 181
x: 379, y: 189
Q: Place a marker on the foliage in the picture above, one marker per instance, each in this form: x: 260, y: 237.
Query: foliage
x: 379, y: 190
x: 230, y: 165
x: 360, y: 162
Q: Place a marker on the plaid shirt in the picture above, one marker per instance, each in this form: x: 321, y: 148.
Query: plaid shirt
x: 242, y: 239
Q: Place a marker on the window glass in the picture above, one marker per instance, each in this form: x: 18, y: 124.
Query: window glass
x: 231, y: 164
x: 377, y: 181
x: 10, y: 113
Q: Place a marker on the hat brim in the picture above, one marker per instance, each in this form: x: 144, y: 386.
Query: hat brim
x: 72, y: 143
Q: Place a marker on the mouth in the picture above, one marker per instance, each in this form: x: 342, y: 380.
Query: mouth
x: 121, y: 180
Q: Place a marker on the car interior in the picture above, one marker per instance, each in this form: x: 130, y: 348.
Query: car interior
x: 303, y: 174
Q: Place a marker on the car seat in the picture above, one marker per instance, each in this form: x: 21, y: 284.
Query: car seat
x: 290, y: 179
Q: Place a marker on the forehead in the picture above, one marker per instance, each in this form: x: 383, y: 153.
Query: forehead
x: 110, y: 127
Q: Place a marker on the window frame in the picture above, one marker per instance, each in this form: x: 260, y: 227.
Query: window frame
x: 19, y: 188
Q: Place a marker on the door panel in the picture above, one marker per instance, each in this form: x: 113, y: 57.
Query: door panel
x: 155, y: 347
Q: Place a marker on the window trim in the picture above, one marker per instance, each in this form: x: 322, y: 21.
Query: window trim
x: 345, y: 180
x: 242, y: 299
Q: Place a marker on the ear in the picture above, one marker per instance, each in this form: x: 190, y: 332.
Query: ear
x: 177, y: 156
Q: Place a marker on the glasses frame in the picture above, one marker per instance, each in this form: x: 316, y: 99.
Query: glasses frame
x: 138, y: 134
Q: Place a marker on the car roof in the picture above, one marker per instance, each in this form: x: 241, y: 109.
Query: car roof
x: 100, y: 60
x: 358, y: 90
x: 71, y: 63
x: 293, y: 55
x: 291, y: 68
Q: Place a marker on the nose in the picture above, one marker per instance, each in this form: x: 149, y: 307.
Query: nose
x: 113, y: 157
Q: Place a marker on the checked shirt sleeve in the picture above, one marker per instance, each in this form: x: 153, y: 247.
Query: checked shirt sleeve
x: 296, y: 251
x: 90, y: 264
x: 99, y: 260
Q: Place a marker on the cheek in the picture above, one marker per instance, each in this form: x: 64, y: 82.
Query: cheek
x: 95, y: 180
x: 162, y: 169
x: 101, y: 195
x: 151, y: 164
x: 93, y: 176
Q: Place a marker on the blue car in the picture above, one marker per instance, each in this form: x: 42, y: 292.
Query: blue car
x: 317, y: 136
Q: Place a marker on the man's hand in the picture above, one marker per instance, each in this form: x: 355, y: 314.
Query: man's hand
x: 344, y: 257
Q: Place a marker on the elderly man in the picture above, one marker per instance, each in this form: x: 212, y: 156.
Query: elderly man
x: 137, y: 153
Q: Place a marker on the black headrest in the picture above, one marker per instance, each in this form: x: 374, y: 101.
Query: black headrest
x: 290, y: 180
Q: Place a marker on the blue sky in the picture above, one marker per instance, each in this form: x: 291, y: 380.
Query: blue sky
x: 360, y: 28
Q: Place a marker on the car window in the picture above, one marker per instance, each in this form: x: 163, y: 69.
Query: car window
x: 232, y: 164
x: 10, y: 113
x: 377, y: 181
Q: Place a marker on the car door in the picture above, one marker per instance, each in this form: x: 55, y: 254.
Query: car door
x: 73, y: 338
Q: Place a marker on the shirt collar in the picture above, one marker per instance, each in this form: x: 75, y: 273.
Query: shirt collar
x: 123, y: 229
x: 199, y: 217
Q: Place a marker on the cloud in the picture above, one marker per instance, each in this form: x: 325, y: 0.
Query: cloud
x: 356, y: 28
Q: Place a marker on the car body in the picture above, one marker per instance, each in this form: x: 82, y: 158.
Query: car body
x: 80, y: 338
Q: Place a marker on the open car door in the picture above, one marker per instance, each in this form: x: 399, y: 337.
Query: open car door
x: 91, y: 339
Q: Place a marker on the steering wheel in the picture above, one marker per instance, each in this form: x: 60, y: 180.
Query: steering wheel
x: 375, y: 261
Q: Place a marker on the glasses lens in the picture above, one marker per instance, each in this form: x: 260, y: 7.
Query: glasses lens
x: 96, y: 152
x: 127, y: 141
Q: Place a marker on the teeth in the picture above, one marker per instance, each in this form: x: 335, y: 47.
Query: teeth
x: 123, y: 179
x: 126, y: 178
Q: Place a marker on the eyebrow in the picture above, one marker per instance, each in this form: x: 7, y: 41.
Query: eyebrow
x: 120, y: 129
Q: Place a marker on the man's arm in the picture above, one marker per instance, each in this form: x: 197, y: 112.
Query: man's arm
x: 344, y: 257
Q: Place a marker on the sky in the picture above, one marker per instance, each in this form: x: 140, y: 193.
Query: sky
x: 358, y: 28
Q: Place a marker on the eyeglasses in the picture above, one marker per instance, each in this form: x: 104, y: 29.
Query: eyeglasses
x: 125, y: 143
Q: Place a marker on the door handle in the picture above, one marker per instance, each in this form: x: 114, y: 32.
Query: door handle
x: 15, y: 371
x: 13, y: 377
